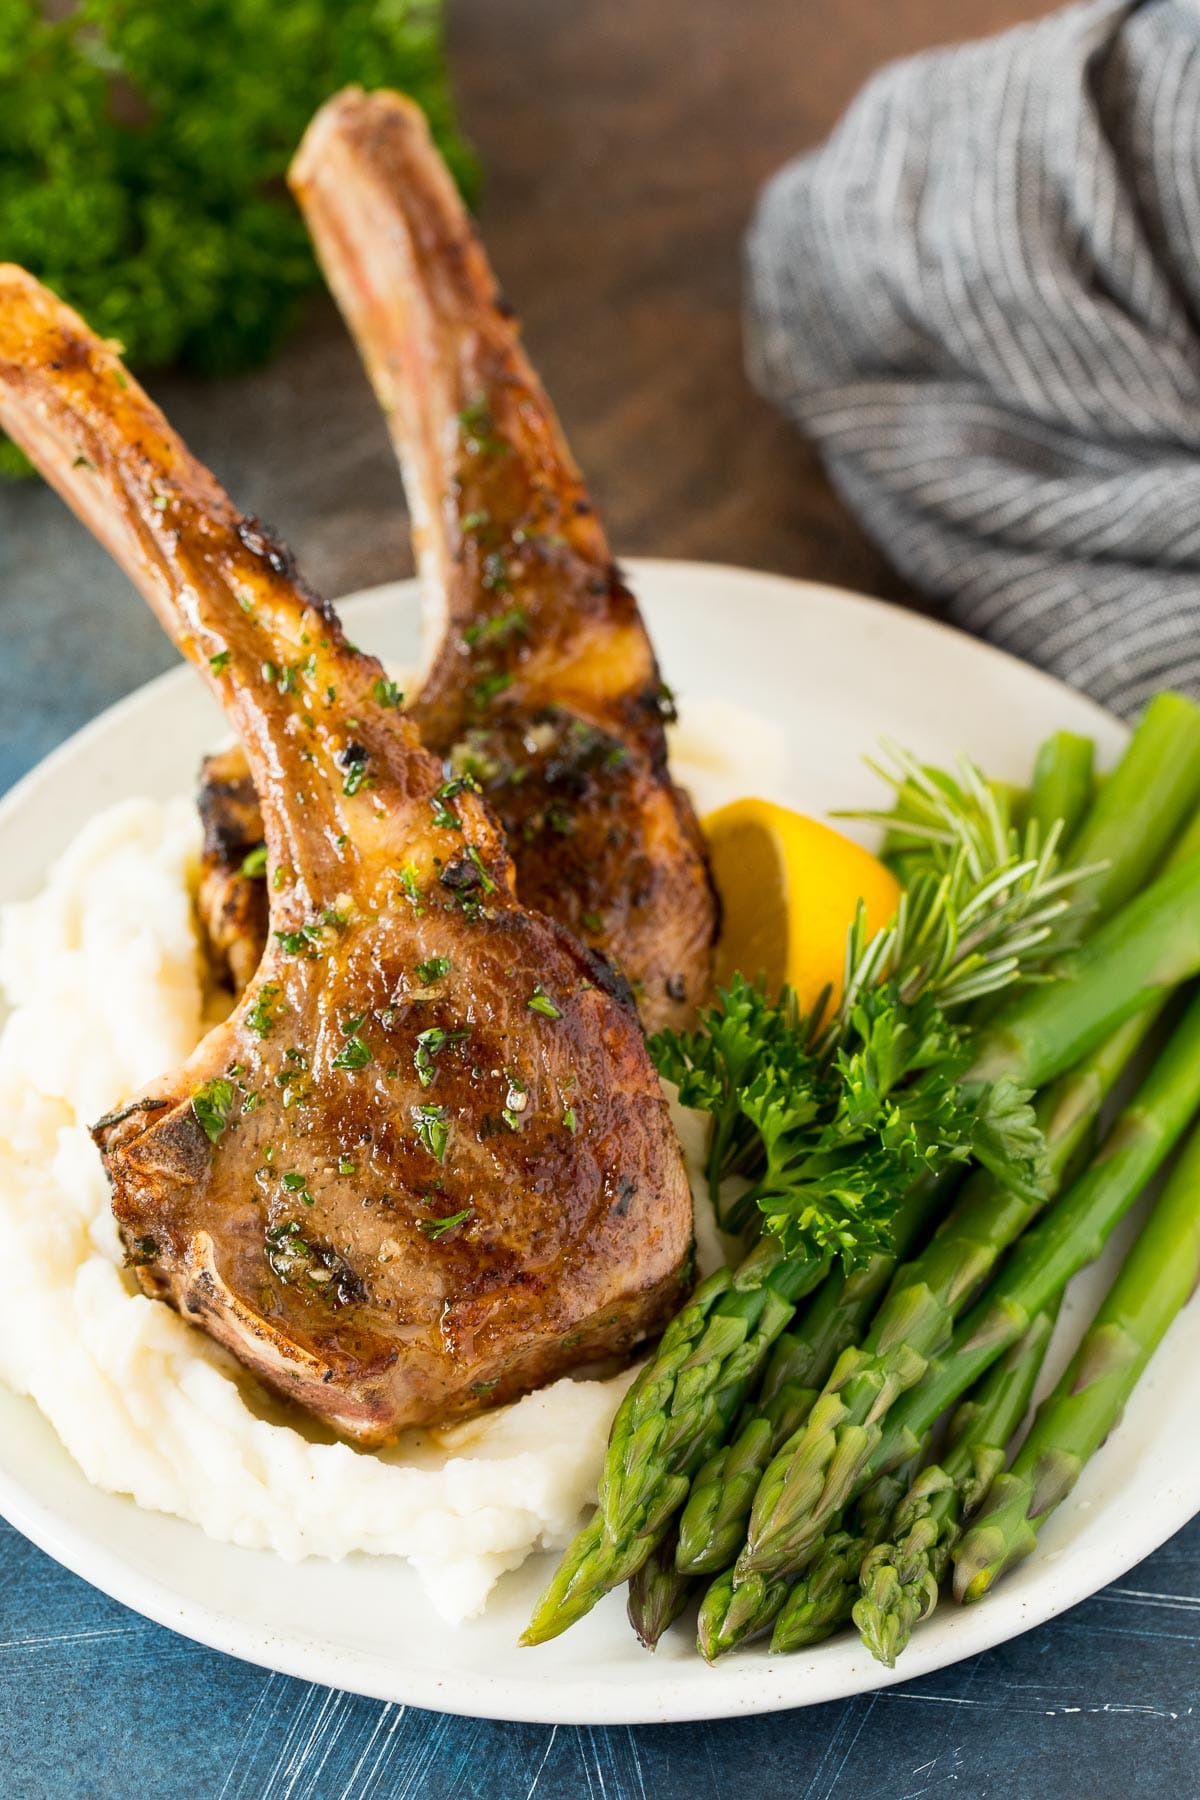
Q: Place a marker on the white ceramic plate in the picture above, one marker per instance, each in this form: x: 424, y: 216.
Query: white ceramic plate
x: 835, y: 672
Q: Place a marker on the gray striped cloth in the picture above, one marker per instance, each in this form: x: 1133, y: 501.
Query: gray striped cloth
x: 981, y: 299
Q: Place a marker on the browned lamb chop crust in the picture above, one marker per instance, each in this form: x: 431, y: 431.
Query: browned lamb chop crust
x: 232, y: 897
x: 426, y: 1164
x: 542, y: 683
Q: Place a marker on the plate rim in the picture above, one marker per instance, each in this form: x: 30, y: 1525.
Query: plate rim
x: 311, y: 1658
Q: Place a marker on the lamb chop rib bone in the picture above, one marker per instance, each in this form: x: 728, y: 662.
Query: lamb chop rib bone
x: 431, y: 1166
x: 541, y: 678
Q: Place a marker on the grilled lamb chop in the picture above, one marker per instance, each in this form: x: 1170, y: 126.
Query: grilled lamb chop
x: 426, y: 1164
x: 542, y: 682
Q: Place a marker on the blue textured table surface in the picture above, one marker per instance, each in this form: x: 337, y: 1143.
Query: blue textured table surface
x: 96, y: 1702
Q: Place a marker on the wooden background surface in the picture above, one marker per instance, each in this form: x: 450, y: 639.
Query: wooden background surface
x: 623, y: 147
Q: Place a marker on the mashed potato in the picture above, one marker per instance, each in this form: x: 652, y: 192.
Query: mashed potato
x: 101, y: 972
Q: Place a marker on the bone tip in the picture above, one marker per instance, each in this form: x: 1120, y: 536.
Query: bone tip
x: 350, y: 108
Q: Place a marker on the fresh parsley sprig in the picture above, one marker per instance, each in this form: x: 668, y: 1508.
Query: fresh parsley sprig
x: 829, y: 1118
x: 141, y: 166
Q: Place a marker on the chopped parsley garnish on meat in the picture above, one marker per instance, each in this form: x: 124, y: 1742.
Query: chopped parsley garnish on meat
x: 489, y: 687
x: 318, y: 1266
x: 353, y: 1054
x: 485, y: 881
x: 540, y: 1002
x: 498, y: 629
x: 260, y: 1019
x: 434, y: 968
x: 439, y: 801
x: 437, y: 1228
x: 433, y: 1130
x: 430, y: 1044
x: 212, y: 1107
x: 355, y: 774
x: 516, y: 1100
x: 478, y: 429
x: 494, y: 574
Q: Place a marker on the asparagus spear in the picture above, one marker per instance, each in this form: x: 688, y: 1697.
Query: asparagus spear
x: 1070, y: 1235
x: 658, y: 1592
x: 812, y: 1607
x: 713, y: 1525
x: 1157, y: 1278
x: 900, y: 1577
x: 811, y: 1477
x: 1123, y: 834
x: 733, y: 1614
x: 1062, y: 785
x: 821, y: 1601
x: 676, y: 1413
x: 1134, y: 960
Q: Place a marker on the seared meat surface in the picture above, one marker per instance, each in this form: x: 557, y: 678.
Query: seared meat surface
x: 541, y: 683
x: 426, y: 1163
x: 232, y: 900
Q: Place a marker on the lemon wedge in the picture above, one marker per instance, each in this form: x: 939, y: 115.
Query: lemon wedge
x: 790, y: 887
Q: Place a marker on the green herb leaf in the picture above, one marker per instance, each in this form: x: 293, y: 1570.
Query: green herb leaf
x: 430, y: 1045
x: 437, y: 1228
x: 255, y: 861
x: 450, y: 790
x: 261, y: 1019
x: 489, y: 688
x: 212, y: 1107
x: 477, y: 429
x: 540, y: 1002
x: 486, y: 884
x: 433, y: 1130
x: 354, y: 775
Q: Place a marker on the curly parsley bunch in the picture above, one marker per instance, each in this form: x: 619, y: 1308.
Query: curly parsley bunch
x: 143, y: 150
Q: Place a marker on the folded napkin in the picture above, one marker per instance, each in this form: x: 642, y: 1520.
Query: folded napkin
x: 981, y: 298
